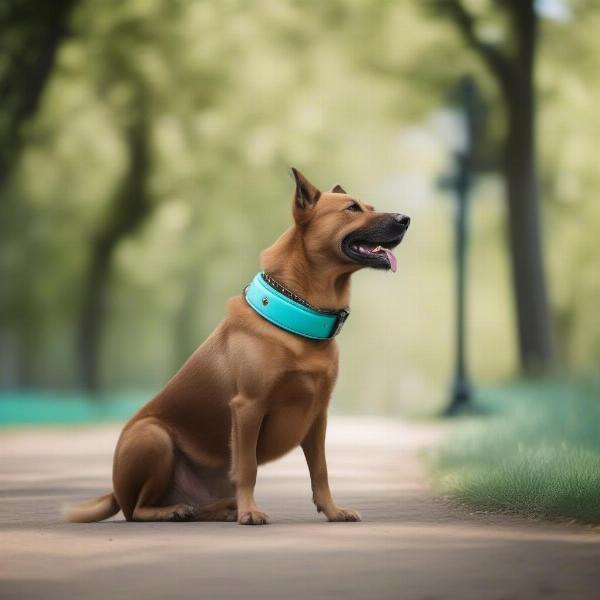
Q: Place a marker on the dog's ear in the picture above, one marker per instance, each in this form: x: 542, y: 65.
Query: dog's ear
x: 338, y: 189
x: 306, y: 196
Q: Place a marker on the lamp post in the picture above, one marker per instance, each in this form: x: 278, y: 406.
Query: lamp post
x: 459, y: 183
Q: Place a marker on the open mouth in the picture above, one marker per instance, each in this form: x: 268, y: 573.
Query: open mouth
x: 371, y: 253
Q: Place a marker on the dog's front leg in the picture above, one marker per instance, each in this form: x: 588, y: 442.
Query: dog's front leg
x: 314, y: 451
x: 246, y: 419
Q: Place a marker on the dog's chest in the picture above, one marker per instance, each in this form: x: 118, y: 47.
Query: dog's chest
x: 297, y: 398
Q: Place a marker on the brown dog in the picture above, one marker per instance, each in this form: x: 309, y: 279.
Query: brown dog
x: 252, y: 391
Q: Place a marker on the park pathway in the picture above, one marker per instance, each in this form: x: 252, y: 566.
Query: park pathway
x: 410, y: 544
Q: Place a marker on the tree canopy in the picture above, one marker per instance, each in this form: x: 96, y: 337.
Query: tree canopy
x: 164, y: 131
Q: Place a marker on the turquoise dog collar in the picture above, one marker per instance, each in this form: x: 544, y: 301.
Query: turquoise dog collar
x: 283, y: 308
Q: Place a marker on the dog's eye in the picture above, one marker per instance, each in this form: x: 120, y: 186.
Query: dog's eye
x: 354, y: 208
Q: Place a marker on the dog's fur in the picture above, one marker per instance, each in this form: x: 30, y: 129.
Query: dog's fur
x: 252, y: 391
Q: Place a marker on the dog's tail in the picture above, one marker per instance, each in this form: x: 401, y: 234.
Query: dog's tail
x: 90, y: 511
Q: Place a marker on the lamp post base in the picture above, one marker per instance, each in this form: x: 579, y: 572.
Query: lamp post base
x: 461, y: 399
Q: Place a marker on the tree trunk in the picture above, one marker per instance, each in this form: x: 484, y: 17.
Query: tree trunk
x: 32, y: 35
x: 94, y: 312
x: 524, y: 226
x: 514, y: 72
x: 187, y: 337
x: 129, y: 209
x: 43, y: 28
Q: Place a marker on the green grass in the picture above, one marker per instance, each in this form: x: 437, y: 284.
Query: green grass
x: 535, y: 452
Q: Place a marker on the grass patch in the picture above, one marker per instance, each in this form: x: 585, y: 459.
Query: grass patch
x: 536, y: 452
x: 50, y: 408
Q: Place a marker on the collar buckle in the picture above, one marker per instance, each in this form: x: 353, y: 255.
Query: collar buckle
x: 342, y: 316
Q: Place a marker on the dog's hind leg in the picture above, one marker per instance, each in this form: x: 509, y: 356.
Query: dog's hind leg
x: 221, y: 510
x: 175, y: 512
x: 143, y: 474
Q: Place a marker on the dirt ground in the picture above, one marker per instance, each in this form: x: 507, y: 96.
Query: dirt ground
x: 410, y: 544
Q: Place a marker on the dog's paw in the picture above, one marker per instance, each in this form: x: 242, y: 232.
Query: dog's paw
x: 228, y: 515
x: 183, y: 512
x: 344, y: 514
x: 253, y: 517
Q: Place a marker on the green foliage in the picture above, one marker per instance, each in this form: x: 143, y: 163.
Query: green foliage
x: 537, y: 453
x: 235, y: 93
x: 570, y: 125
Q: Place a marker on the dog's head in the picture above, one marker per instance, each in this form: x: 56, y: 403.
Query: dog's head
x: 343, y: 231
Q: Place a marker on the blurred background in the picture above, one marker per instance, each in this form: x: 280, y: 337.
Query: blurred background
x: 144, y: 155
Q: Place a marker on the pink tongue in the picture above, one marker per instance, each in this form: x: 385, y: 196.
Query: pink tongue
x: 391, y: 259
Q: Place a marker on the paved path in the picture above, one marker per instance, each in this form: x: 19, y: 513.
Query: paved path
x: 410, y: 544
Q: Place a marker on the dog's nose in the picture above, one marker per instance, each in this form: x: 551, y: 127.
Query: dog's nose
x: 402, y: 220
